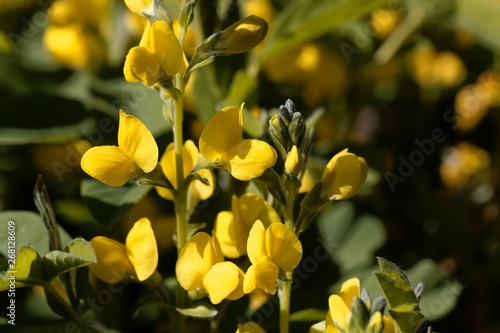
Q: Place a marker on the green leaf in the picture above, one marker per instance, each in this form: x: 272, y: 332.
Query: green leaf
x: 79, y: 254
x: 480, y: 18
x: 152, y: 302
x: 308, y: 315
x: 24, y: 120
x: 27, y: 270
x: 108, y: 204
x: 200, y: 310
x: 30, y: 229
x: 305, y: 20
x: 401, y: 299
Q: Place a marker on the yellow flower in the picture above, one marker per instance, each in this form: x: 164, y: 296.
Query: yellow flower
x: 232, y: 228
x: 339, y: 314
x: 250, y: 327
x: 343, y: 176
x: 270, y: 250
x: 137, y: 258
x: 294, y: 162
x: 136, y: 153
x: 74, y: 46
x: 201, y: 268
x: 190, y: 154
x: 242, y: 36
x: 221, y: 142
x: 158, y: 52
x: 140, y: 7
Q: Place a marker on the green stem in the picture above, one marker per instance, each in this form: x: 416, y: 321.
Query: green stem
x: 284, y: 294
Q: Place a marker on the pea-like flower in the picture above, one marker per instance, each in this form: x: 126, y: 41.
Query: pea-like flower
x: 201, y: 268
x: 138, y: 258
x: 159, y: 53
x: 250, y: 327
x: 339, y: 315
x: 136, y: 153
x: 270, y: 250
x: 343, y: 176
x: 221, y: 143
x: 232, y: 228
x: 242, y: 36
x: 190, y: 155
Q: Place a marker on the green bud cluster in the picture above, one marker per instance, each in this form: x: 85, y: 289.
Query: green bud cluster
x: 366, y: 314
x: 287, y: 129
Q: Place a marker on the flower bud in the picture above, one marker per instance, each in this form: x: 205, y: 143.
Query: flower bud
x: 294, y: 162
x: 297, y: 128
x: 242, y: 36
x: 343, y: 176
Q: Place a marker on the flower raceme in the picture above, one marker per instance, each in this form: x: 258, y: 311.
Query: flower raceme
x: 343, y: 176
x: 136, y: 153
x: 270, y: 250
x: 201, y: 268
x: 197, y: 189
x: 159, y: 53
x: 221, y: 143
x: 138, y: 258
x: 232, y: 228
x: 341, y: 319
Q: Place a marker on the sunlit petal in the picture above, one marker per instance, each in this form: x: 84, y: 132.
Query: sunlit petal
x: 141, y: 249
x: 221, y: 133
x: 194, y: 261
x: 349, y: 290
x: 224, y: 229
x: 283, y: 246
x: 141, y: 66
x: 339, y: 312
x: 265, y: 275
x: 137, y: 142
x: 256, y: 244
x: 222, y: 280
x: 167, y: 163
x: 253, y: 207
x: 248, y: 159
x: 112, y: 262
x: 165, y: 46
x: 108, y: 164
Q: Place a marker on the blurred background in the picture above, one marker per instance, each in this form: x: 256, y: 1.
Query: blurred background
x: 412, y: 86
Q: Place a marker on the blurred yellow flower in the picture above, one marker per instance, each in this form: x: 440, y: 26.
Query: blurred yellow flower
x: 343, y: 176
x: 136, y: 153
x: 221, y: 143
x: 137, y: 258
x: 270, y: 249
x: 461, y: 163
x: 384, y: 21
x: 242, y: 36
x: 74, y: 46
x: 201, y: 268
x: 190, y: 155
x: 158, y: 53
x: 232, y: 228
x: 140, y: 7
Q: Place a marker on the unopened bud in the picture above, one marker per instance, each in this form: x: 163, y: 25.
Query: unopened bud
x: 294, y: 162
x: 242, y: 36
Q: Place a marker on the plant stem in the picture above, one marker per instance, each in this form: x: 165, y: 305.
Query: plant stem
x: 284, y: 294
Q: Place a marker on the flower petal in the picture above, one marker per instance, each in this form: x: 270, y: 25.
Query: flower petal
x: 221, y: 133
x: 330, y: 326
x: 248, y: 159
x: 283, y: 247
x: 252, y: 207
x: 141, y: 249
x: 137, y: 142
x: 339, y: 312
x: 161, y: 41
x: 223, y: 279
x: 263, y: 274
x: 167, y: 163
x: 194, y: 262
x: 256, y: 243
x: 141, y: 66
x: 139, y: 6
x: 250, y: 327
x: 224, y: 230
x: 112, y: 262
x: 349, y: 290
x: 197, y: 188
x: 343, y: 176
x: 108, y: 164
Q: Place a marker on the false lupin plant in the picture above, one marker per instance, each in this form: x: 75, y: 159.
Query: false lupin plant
x: 265, y: 229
